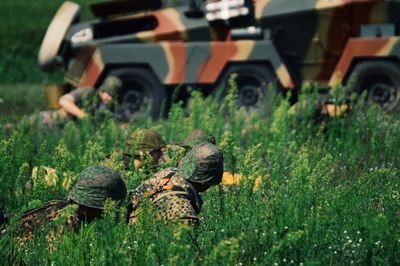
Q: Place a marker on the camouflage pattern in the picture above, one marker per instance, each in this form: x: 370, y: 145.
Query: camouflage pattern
x: 54, y: 218
x: 298, y: 41
x: 203, y: 164
x: 111, y: 85
x: 186, y: 50
x: 147, y: 140
x: 95, y: 185
x: 174, y: 198
x: 198, y: 136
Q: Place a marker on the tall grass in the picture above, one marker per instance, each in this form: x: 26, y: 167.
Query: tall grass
x: 329, y: 196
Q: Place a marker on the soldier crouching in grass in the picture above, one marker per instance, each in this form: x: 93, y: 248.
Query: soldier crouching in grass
x: 140, y: 144
x: 320, y: 111
x: 175, y: 191
x: 85, y: 203
x: 83, y: 102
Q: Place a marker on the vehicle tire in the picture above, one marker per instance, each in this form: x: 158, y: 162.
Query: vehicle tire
x: 141, y: 94
x: 257, y: 86
x: 51, y: 45
x: 381, y: 80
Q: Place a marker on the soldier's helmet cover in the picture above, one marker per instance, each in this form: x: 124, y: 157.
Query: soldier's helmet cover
x: 198, y: 136
x: 203, y: 164
x: 111, y: 85
x: 95, y: 185
x: 147, y: 140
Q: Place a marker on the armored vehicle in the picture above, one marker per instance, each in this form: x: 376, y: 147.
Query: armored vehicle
x: 153, y: 49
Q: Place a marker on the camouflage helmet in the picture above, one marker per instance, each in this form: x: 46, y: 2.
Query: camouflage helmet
x: 95, y: 184
x: 198, y: 136
x: 111, y: 85
x: 147, y: 140
x: 203, y: 164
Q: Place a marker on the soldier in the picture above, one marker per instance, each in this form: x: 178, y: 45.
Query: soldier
x: 82, y: 102
x: 97, y: 100
x: 175, y: 191
x: 320, y: 111
x: 145, y: 142
x: 85, y: 203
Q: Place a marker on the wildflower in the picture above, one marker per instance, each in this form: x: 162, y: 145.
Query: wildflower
x: 345, y: 232
x: 255, y: 259
x: 360, y: 240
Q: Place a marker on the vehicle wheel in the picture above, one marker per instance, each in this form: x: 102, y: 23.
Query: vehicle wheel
x: 254, y: 84
x: 141, y: 94
x: 52, y: 41
x: 381, y: 80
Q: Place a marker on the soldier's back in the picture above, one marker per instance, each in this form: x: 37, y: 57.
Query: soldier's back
x: 53, y: 218
x: 173, y: 196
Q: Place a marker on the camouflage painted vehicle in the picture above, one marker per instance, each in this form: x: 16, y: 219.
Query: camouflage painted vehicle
x: 283, y: 42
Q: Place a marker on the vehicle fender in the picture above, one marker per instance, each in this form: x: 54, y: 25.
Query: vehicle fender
x: 359, y: 48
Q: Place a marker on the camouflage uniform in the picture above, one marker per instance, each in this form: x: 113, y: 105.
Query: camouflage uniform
x: 174, y: 197
x: 173, y: 190
x: 94, y: 186
x: 87, y: 98
x: 39, y: 219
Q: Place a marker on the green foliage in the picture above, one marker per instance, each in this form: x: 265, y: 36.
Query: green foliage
x: 329, y: 191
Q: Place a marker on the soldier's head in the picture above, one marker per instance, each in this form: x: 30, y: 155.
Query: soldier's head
x: 140, y: 143
x: 198, y: 136
x: 109, y: 89
x: 202, y: 166
x: 94, y: 186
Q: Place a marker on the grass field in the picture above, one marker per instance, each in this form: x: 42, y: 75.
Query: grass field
x: 19, y: 99
x: 330, y: 194
x: 22, y: 27
x: 328, y: 198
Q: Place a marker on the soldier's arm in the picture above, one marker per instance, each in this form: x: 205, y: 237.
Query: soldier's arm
x: 69, y: 101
